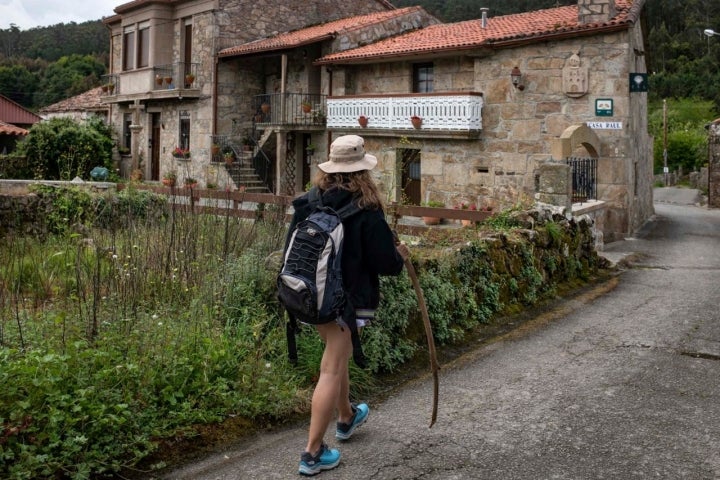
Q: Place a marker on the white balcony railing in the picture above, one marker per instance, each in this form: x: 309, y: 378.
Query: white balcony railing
x: 461, y: 112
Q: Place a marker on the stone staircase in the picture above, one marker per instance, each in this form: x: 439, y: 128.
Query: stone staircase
x: 243, y: 174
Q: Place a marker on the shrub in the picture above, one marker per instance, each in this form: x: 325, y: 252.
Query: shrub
x: 61, y: 148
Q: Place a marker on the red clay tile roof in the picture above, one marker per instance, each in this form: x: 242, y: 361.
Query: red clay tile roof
x: 313, y: 34
x: 128, y: 6
x: 500, y: 31
x: 86, y: 101
x: 7, y: 129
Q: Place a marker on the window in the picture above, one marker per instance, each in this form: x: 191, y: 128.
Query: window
x: 127, y: 137
x: 423, y: 78
x: 184, y: 140
x: 129, y: 49
x: 143, y: 48
x: 136, y: 46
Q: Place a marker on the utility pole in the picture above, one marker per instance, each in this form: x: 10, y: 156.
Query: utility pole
x: 665, y: 154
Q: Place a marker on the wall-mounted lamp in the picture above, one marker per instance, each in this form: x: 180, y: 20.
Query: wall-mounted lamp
x: 515, y: 76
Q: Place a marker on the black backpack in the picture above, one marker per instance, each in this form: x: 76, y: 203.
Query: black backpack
x: 310, y: 284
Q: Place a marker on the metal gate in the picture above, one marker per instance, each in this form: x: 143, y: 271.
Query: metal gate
x: 584, y: 178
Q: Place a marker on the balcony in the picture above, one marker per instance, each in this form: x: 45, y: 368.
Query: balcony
x: 451, y: 114
x: 179, y: 80
x: 290, y: 110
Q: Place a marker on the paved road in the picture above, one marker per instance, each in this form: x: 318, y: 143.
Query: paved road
x: 621, y: 382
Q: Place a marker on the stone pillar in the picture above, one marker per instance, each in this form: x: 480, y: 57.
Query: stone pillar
x: 596, y: 11
x: 714, y: 166
x: 553, y: 184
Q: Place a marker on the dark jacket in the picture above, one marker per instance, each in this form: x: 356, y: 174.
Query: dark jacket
x: 368, y: 248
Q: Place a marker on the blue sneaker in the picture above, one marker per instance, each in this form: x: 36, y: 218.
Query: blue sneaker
x: 345, y: 430
x: 326, y: 459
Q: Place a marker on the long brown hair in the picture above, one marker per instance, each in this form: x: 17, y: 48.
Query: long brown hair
x: 356, y: 182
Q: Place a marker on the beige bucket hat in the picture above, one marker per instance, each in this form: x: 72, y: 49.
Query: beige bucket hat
x: 347, y: 154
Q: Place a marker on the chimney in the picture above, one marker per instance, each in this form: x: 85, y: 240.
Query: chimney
x: 484, y: 11
x: 596, y: 11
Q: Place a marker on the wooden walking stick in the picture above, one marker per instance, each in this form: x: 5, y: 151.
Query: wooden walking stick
x: 434, y: 365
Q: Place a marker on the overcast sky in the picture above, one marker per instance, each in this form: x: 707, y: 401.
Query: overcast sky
x: 27, y: 14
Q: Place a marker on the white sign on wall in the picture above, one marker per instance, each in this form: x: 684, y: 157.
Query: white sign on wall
x: 605, y: 125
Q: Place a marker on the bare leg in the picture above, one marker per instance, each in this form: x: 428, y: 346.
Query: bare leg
x: 332, y: 389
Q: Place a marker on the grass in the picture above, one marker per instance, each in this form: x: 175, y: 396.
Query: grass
x: 140, y: 324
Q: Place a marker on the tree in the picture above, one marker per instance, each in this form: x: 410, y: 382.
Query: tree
x: 69, y: 76
x: 18, y: 84
x: 62, y: 148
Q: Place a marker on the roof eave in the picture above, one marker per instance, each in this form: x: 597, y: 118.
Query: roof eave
x: 515, y: 42
x: 278, y: 49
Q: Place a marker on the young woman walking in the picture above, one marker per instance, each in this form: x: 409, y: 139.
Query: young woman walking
x: 369, y: 250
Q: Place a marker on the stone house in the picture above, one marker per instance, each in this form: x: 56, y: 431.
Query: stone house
x: 168, y: 89
x: 503, y: 101
x: 79, y: 107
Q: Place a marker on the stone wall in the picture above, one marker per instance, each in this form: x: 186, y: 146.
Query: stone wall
x: 519, y: 126
x: 714, y: 166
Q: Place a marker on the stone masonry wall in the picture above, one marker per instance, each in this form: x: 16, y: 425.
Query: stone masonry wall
x: 520, y: 125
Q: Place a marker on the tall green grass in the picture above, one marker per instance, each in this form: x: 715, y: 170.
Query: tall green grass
x: 113, y: 337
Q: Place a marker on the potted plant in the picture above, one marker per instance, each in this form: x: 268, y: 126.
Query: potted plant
x: 190, y: 182
x: 431, y: 220
x: 466, y: 206
x: 169, y: 178
x: 189, y: 79
x: 310, y: 149
x: 363, y: 121
x: 124, y: 150
x: 136, y: 175
x: 265, y: 107
x: 318, y: 116
x: 416, y: 121
x: 247, y: 143
x: 168, y: 80
x: 181, y: 153
x: 229, y: 156
x: 306, y: 106
x: 159, y: 79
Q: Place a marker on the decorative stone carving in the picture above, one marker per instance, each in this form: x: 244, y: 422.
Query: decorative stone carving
x: 575, y: 77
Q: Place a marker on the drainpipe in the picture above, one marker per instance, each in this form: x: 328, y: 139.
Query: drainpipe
x: 484, y: 11
x: 281, y: 135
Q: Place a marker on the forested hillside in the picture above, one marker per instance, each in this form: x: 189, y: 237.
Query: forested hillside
x: 43, y: 65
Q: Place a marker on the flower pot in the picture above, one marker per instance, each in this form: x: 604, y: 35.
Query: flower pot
x: 158, y: 79
x: 265, y: 108
x: 189, y: 79
x: 416, y: 122
x: 191, y: 185
x: 431, y: 220
x: 215, y: 150
x: 363, y: 121
x: 306, y: 107
x: 168, y: 182
x: 467, y: 223
x: 229, y: 159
